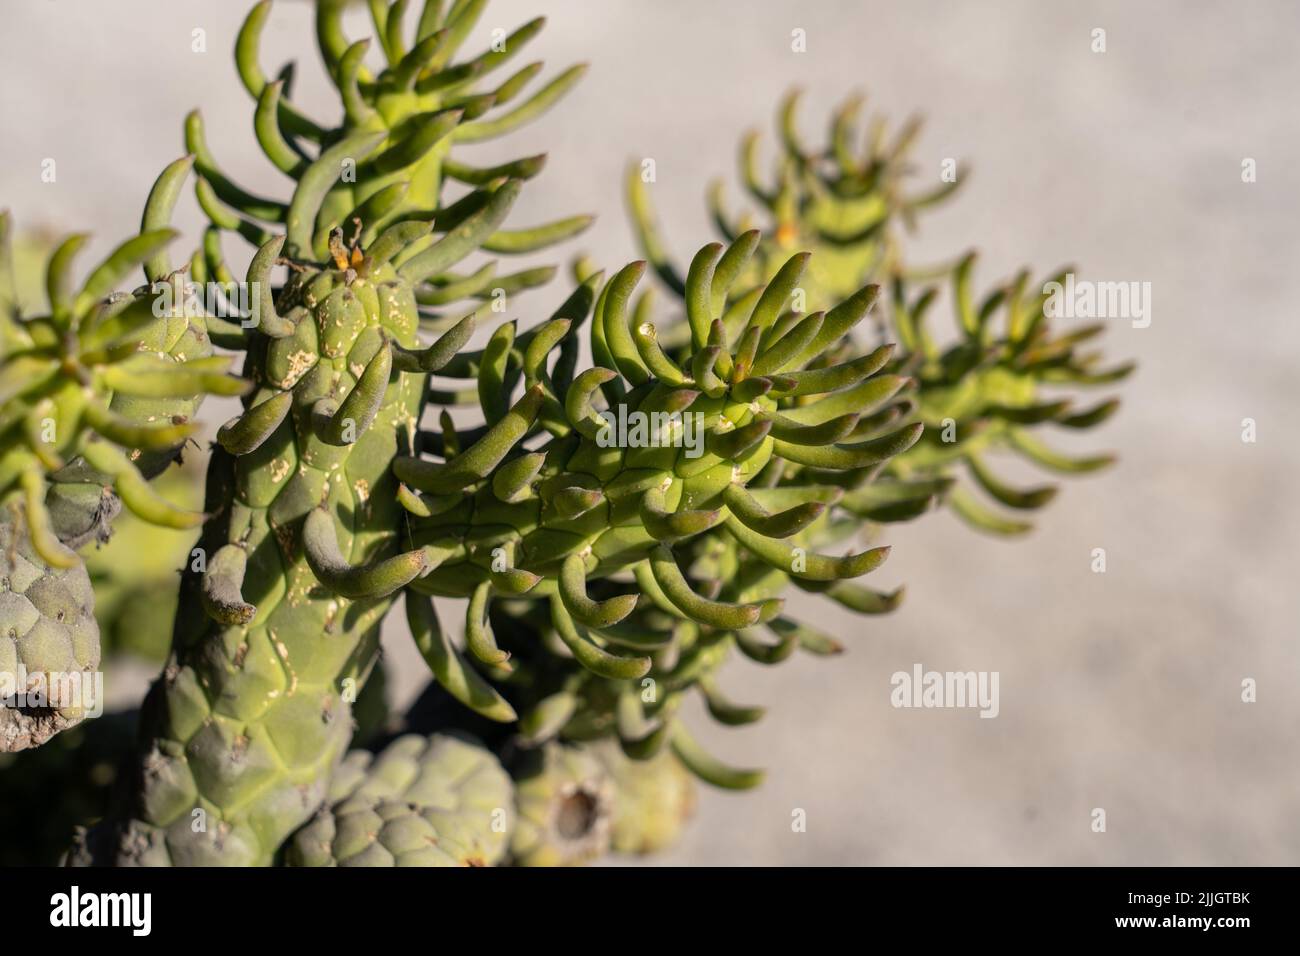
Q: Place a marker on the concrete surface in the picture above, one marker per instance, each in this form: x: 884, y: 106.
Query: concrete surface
x: 1119, y: 691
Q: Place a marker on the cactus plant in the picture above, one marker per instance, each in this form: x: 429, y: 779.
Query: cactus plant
x: 390, y: 158
x: 439, y: 801
x: 565, y: 801
x: 306, y: 439
x: 300, y: 488
x: 619, y: 502
x: 49, y: 644
x: 986, y: 392
x: 738, y: 462
x: 842, y: 202
x: 653, y: 799
x: 990, y: 391
x: 134, y: 574
x: 95, y: 387
x: 92, y: 393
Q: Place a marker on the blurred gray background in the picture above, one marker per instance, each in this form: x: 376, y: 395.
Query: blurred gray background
x: 1118, y: 690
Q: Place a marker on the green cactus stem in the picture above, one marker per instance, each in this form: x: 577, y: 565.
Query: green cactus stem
x: 279, y: 628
